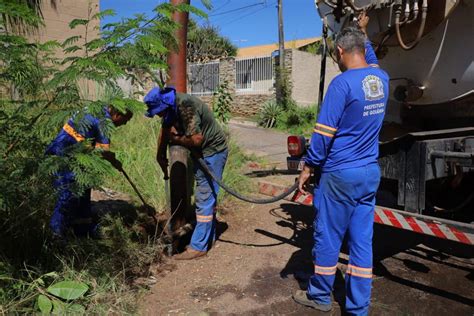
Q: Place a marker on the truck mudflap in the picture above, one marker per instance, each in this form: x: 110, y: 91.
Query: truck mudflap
x: 422, y: 224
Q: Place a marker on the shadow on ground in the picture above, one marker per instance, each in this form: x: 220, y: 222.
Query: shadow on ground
x: 388, y: 243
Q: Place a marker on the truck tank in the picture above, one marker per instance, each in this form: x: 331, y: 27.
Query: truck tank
x: 427, y: 47
x: 427, y: 141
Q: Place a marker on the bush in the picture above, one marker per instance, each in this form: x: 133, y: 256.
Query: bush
x: 298, y: 120
x: 269, y: 114
x: 38, y: 92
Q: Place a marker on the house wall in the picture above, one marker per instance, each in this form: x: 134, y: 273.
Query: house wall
x: 305, y: 75
x: 304, y: 69
x: 56, y: 17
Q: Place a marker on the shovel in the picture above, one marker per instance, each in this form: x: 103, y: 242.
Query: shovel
x: 150, y: 210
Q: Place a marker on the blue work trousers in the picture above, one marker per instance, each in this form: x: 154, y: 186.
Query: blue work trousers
x: 71, y: 211
x: 344, y: 203
x: 206, y: 198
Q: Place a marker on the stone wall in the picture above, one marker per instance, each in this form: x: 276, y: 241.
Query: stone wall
x: 244, y: 105
x: 249, y: 104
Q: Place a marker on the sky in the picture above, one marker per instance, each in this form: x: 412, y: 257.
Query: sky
x: 244, y: 22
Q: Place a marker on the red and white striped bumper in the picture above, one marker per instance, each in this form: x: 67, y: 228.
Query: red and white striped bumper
x: 441, y: 228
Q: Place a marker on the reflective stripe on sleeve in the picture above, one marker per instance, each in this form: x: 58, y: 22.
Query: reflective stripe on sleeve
x: 72, y: 132
x: 324, y: 130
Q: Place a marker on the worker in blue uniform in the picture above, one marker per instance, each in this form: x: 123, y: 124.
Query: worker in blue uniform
x: 73, y: 211
x: 344, y: 148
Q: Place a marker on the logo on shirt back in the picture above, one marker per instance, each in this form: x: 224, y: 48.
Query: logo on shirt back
x: 373, y: 88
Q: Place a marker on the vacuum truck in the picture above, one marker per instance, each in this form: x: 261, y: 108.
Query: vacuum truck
x: 427, y: 141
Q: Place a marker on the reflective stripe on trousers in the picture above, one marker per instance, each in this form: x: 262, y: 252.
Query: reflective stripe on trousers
x: 206, y: 198
x: 344, y: 203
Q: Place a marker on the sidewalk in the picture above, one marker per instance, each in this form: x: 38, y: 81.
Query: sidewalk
x: 265, y: 143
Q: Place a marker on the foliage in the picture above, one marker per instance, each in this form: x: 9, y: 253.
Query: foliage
x: 221, y: 103
x: 39, y: 91
x: 53, y: 298
x: 205, y: 44
x: 298, y: 120
x: 315, y: 48
x: 90, y: 276
x: 284, y: 87
x: 269, y: 113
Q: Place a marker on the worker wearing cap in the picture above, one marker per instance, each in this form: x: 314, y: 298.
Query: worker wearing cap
x: 189, y: 122
x: 344, y: 147
x: 70, y: 210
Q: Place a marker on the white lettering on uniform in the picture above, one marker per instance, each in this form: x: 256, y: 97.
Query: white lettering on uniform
x: 374, y: 109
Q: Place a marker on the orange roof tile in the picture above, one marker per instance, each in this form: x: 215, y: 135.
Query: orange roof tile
x: 265, y: 50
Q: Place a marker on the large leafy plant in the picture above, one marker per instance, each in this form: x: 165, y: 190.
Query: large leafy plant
x: 43, y: 84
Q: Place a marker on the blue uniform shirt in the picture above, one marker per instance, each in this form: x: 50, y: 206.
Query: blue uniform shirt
x: 370, y: 56
x: 71, y: 134
x: 347, y: 130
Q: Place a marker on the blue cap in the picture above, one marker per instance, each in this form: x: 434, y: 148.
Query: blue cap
x: 159, y: 100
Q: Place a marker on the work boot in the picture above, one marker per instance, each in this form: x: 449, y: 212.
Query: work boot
x: 189, y: 254
x: 301, y: 297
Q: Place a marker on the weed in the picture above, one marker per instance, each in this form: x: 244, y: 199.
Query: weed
x: 135, y: 146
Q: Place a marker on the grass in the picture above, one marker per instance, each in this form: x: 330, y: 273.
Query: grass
x: 107, y: 266
x: 110, y: 265
x: 135, y: 146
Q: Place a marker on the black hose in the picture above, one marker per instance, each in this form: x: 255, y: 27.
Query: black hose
x: 207, y: 170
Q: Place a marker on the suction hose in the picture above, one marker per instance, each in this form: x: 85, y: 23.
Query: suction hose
x: 398, y: 23
x: 207, y: 170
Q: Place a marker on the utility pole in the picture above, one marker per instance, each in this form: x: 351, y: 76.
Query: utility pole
x: 281, y: 56
x: 281, y: 36
x: 177, y: 59
x: 179, y: 171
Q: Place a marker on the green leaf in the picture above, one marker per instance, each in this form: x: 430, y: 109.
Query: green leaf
x: 68, y: 290
x: 44, y: 304
x: 76, y: 309
x: 207, y: 4
x: 77, y: 22
x: 59, y: 308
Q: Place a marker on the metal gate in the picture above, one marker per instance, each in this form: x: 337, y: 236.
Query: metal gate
x: 203, y: 78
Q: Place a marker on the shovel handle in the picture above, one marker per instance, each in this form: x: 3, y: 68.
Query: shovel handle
x: 133, y: 186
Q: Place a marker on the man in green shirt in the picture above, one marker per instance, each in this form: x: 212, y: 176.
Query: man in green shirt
x: 187, y: 121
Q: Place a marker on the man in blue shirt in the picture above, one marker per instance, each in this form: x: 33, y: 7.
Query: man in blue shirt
x: 71, y: 210
x: 344, y: 148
